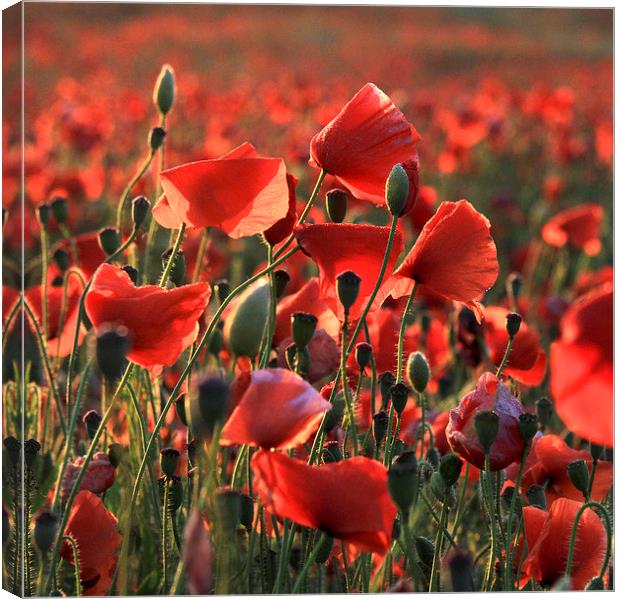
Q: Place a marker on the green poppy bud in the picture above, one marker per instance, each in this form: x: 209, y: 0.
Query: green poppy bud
x: 347, y: 288
x: 61, y: 258
x: 579, y: 475
x: 282, y: 279
x: 44, y: 214
x: 164, y: 91
x: 379, y: 426
x: 397, y: 190
x: 111, y: 350
x: 386, y: 382
x: 91, y: 421
x: 425, y: 549
x: 439, y: 487
x: 363, y: 354
x: 156, y: 138
x: 403, y: 480
x: 536, y: 497
x: 60, y: 209
x: 332, y: 452
x: 336, y: 204
x: 208, y: 405
x: 169, y: 461
x: 418, y: 371
x: 528, y: 426
x: 450, y: 468
x: 303, y: 326
x: 177, y: 272
x: 109, y: 240
x: 513, y: 323
x: 399, y: 394
x: 487, y: 427
x: 139, y: 210
x: 433, y: 457
x: 45, y: 530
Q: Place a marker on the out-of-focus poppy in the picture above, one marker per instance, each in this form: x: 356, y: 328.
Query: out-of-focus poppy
x: 99, y: 474
x: 363, y: 142
x: 582, y: 367
x: 89, y: 254
x: 278, y: 410
x: 324, y: 355
x: 161, y: 323
x: 424, y: 207
x: 548, y: 539
x: 454, y: 255
x: 490, y: 394
x: 338, y: 247
x: 241, y: 195
x: 547, y: 462
x: 527, y: 361
x: 198, y: 555
x: 579, y: 227
x: 348, y: 500
x: 93, y: 527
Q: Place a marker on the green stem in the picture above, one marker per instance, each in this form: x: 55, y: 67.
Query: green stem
x: 139, y: 174
x: 202, y: 248
x: 308, y: 562
x: 508, y: 582
x: 592, y: 474
x: 345, y: 384
x: 434, y: 584
x: 505, y: 358
x: 44, y: 268
x: 76, y: 563
x: 488, y: 491
x: 401, y: 334
x: 173, y: 256
x: 164, y: 537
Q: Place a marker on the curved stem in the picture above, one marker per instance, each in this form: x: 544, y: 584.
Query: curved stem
x: 508, y: 583
x: 308, y: 562
x: 139, y: 174
x: 173, y: 256
x: 401, y: 333
x: 488, y: 492
x: 345, y: 384
x: 434, y: 580
x: 505, y: 358
x: 76, y: 563
x: 44, y: 268
x: 8, y: 322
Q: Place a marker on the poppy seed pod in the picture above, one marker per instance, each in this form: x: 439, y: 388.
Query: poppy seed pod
x: 536, y: 496
x: 403, y: 480
x: 386, y: 382
x: 112, y: 347
x: 61, y: 258
x: 91, y: 421
x: 363, y: 354
x: 282, y: 279
x: 336, y: 204
x: 31, y: 451
x: 399, y: 394
x: 544, y: 411
x: 397, y: 190
x: 109, y: 240
x: 164, y: 91
x: 332, y: 452
x: 347, y: 288
x: 425, y: 548
x: 227, y: 504
x: 156, y: 138
x: 418, y: 371
x: 169, y: 461
x: 379, y: 426
x: 132, y: 272
x: 139, y: 210
x: 513, y: 323
x: 450, y: 469
x: 433, y: 457
x: 44, y: 214
x: 528, y: 426
x: 60, y: 209
x: 45, y: 529
x: 487, y: 427
x: 13, y: 451
x: 177, y: 272
x: 303, y: 326
x: 579, y: 475
x: 208, y: 405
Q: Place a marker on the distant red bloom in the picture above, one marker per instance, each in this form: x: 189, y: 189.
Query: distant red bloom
x: 424, y: 207
x: 454, y: 255
x: 363, y: 142
x: 340, y: 247
x: 527, y: 361
x: 489, y: 394
x: 93, y: 527
x: 99, y: 474
x: 278, y: 410
x: 162, y: 323
x: 579, y: 227
x: 582, y: 367
x: 89, y: 254
x: 324, y: 355
x: 241, y: 195
x: 349, y: 499
x: 548, y: 539
x: 547, y: 463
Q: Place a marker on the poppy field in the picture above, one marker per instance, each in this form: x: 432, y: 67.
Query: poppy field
x: 307, y: 299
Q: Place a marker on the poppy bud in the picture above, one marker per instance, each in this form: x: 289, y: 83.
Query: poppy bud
x: 439, y: 487
x: 61, y: 258
x: 332, y: 452
x: 45, y: 529
x: 31, y: 451
x: 336, y: 204
x: 528, y: 426
x: 397, y: 190
x: 450, y: 469
x: 177, y: 272
x: 460, y: 564
x: 132, y: 272
x: 179, y: 406
x: 418, y: 371
x: 112, y: 347
x: 327, y: 542
x: 208, y: 405
x: 334, y: 417
x: 282, y: 279
x: 139, y: 210
x: 536, y: 497
x: 513, y: 285
x: 403, y: 480
x: 386, y: 382
x: 303, y: 326
x: 13, y: 451
x: 363, y: 354
x: 222, y: 289
x: 595, y: 584
x: 60, y: 209
x: 116, y: 451
x: 579, y: 475
x: 425, y: 548
x: 433, y: 457
x: 487, y: 426
x: 302, y: 361
x: 544, y: 411
x: 169, y: 460
x: 347, y: 288
x: 227, y: 504
x: 91, y: 421
x: 399, y: 394
x: 109, y: 240
x: 246, y: 511
x: 44, y: 214
x: 379, y: 426
x: 513, y: 323
x: 156, y: 138
x: 163, y: 94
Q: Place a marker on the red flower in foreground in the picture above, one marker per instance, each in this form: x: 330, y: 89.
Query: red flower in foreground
x: 93, y: 527
x: 340, y: 247
x: 454, y: 255
x: 278, y: 410
x: 240, y: 193
x: 363, y: 142
x: 349, y: 499
x: 489, y: 394
x: 548, y: 539
x: 162, y: 323
x: 579, y: 227
x: 582, y: 367
x: 547, y: 463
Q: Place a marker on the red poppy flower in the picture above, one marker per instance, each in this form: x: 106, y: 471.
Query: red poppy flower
x: 98, y: 478
x: 93, y: 527
x: 582, y: 367
x: 89, y: 254
x: 278, y: 410
x: 349, y: 499
x: 241, y: 195
x: 338, y: 247
x: 547, y: 462
x: 162, y: 323
x: 548, y: 539
x: 579, y: 227
x: 527, y: 361
x: 489, y: 394
x: 454, y: 255
x: 363, y: 142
